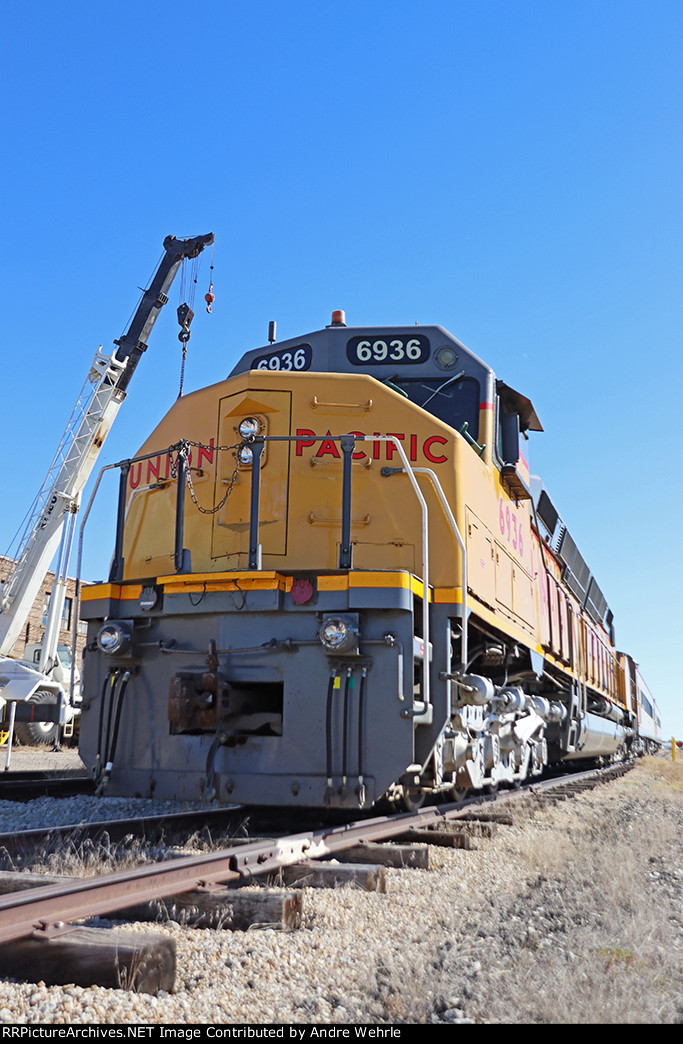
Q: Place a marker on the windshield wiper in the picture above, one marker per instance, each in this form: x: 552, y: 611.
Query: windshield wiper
x: 451, y: 380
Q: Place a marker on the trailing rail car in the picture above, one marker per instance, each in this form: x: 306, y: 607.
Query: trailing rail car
x: 335, y: 580
x: 643, y: 709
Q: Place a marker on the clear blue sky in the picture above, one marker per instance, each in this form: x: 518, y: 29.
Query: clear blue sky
x: 510, y: 170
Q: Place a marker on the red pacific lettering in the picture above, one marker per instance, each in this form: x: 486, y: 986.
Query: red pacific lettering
x: 413, y: 448
x: 304, y: 443
x: 327, y: 446
x: 360, y: 455
x: 390, y: 446
x: 426, y: 449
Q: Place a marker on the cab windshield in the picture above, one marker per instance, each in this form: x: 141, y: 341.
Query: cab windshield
x: 452, y: 403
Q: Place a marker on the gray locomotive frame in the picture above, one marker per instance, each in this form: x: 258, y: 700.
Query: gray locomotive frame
x: 298, y: 725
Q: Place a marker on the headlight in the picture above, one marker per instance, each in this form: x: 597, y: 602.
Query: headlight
x: 245, y: 457
x: 334, y: 633
x: 339, y: 634
x: 113, y: 638
x: 249, y: 427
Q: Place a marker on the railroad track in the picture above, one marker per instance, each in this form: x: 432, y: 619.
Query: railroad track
x: 41, y: 940
x: 24, y: 786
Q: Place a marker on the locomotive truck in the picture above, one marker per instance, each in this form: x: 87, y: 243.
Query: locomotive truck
x: 334, y: 580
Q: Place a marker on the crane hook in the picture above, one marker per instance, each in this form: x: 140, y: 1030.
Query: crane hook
x: 185, y: 317
x: 209, y: 298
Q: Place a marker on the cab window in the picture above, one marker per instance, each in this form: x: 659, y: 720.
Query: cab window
x: 454, y: 404
x: 508, y: 435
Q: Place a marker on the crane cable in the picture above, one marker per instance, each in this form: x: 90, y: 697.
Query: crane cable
x: 188, y: 299
x: 210, y: 297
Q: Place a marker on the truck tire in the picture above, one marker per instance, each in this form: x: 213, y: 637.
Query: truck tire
x: 36, y: 733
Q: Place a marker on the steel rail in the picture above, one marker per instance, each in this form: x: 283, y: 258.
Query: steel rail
x: 29, y: 787
x: 38, y: 910
x: 42, y: 911
x: 152, y: 828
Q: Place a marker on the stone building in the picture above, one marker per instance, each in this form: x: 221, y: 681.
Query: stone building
x: 34, y: 628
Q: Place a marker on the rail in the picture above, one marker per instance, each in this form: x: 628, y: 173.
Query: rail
x: 40, y: 912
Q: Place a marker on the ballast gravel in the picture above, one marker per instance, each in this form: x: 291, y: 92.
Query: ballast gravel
x: 572, y: 914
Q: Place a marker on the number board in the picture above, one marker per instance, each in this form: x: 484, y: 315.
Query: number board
x: 388, y: 350
x: 297, y: 358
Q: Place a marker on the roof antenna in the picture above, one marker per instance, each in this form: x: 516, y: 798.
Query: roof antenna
x: 272, y: 328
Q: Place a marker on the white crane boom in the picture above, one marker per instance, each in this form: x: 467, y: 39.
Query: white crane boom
x: 58, y: 500
x: 92, y: 417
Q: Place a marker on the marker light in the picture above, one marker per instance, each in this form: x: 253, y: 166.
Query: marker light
x: 149, y: 597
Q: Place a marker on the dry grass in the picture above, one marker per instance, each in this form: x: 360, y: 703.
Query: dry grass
x: 87, y: 858
x: 667, y: 774
x: 596, y: 933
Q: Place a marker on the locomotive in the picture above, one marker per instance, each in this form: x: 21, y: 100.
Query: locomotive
x: 334, y: 580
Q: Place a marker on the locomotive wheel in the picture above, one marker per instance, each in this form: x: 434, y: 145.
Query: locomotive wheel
x: 458, y: 793
x: 34, y: 733
x: 412, y: 798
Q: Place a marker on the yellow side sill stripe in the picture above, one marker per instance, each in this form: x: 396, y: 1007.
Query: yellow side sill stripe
x: 269, y: 581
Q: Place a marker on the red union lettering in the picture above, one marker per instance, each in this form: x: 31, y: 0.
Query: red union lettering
x: 206, y: 452
x: 153, y: 469
x: 134, y: 483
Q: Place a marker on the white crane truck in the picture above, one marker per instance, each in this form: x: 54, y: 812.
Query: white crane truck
x: 36, y: 695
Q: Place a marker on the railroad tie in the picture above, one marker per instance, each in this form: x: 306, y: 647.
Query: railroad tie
x: 311, y: 874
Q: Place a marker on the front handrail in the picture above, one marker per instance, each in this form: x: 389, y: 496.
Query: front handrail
x: 256, y: 443
x: 410, y: 472
x: 432, y: 476
x: 117, y: 561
